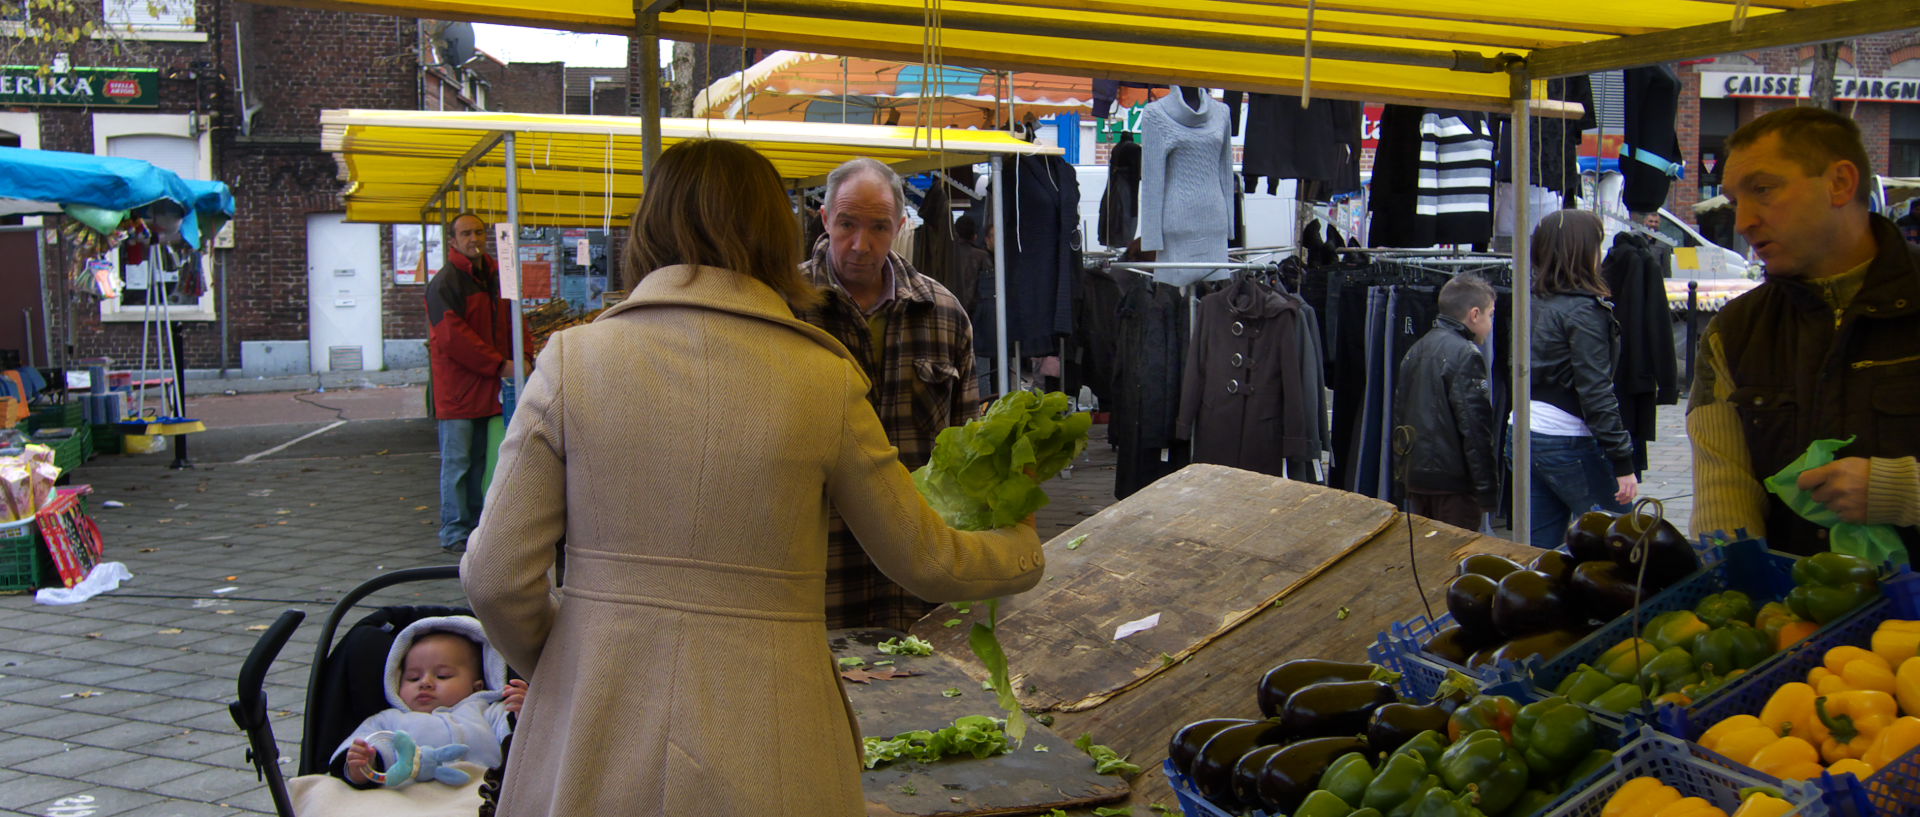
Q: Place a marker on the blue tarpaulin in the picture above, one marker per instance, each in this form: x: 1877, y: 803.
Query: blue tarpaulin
x: 103, y: 189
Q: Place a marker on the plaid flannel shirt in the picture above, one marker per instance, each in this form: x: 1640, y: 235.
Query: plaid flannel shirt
x: 925, y: 382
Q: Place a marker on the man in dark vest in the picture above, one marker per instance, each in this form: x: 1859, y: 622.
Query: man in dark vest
x: 1827, y: 347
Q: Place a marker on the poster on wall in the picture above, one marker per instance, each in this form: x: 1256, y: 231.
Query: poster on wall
x: 536, y: 272
x: 410, y: 265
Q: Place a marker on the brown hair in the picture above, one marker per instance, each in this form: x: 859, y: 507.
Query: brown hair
x: 1566, y: 254
x: 1463, y: 293
x: 1813, y: 138
x: 715, y: 203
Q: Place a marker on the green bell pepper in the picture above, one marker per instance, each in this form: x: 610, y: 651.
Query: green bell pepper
x: 1622, y: 661
x: 1674, y: 629
x: 1718, y: 609
x: 1532, y: 801
x: 1584, y: 684
x: 1442, y: 803
x: 1427, y: 784
x: 1595, y: 761
x: 1322, y: 803
x: 1670, y: 670
x: 1429, y: 745
x: 1621, y: 699
x: 1827, y: 585
x: 1734, y: 646
x: 1483, y: 763
x: 1398, y: 780
x: 1551, y: 736
x: 1494, y: 712
x: 1347, y: 777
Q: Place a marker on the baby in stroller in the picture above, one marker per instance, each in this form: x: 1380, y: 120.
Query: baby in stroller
x: 451, y: 700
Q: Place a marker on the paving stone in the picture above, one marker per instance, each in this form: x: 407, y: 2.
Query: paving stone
x: 211, y: 786
x: 196, y: 744
x: 108, y: 801
x: 143, y: 773
x: 62, y: 725
x: 34, y: 792
x: 172, y: 711
x: 105, y: 701
x: 179, y: 808
x: 156, y: 681
x: 126, y: 735
x: 75, y: 761
x: 98, y: 674
x: 16, y: 749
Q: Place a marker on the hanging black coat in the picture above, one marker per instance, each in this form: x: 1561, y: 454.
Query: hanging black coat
x: 1554, y: 143
x: 1044, y: 221
x: 1120, y: 204
x: 1652, y: 106
x: 1242, y: 398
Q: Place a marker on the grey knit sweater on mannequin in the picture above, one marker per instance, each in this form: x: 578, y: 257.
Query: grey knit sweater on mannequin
x: 1186, y: 184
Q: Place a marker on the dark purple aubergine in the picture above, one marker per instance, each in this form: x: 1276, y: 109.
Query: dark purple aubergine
x: 1470, y: 600
x: 1558, y: 566
x: 1187, y: 740
x: 1528, y: 602
x: 1294, y: 772
x: 1335, y: 708
x: 1282, y: 681
x: 1213, y: 768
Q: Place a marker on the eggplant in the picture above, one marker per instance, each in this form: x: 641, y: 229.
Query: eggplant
x: 1213, y: 768
x: 1483, y: 657
x: 1528, y: 602
x: 1335, y: 708
x: 1187, y: 741
x: 1602, y: 589
x: 1450, y: 643
x: 1669, y: 558
x: 1470, y: 600
x: 1587, y: 536
x: 1246, y: 773
x: 1394, y: 724
x: 1294, y: 772
x: 1491, y: 565
x: 1282, y: 681
x: 1546, y: 645
x: 1558, y: 566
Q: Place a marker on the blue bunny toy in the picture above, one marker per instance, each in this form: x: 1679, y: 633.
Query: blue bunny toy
x: 411, y: 762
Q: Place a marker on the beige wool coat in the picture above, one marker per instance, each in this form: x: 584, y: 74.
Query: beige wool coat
x: 685, y: 446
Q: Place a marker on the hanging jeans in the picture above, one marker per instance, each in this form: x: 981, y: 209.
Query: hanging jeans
x: 463, y: 465
x: 1570, y: 476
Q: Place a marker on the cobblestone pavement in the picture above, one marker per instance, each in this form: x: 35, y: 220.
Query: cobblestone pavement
x: 118, y: 706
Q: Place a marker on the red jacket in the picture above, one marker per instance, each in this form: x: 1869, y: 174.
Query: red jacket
x: 470, y: 333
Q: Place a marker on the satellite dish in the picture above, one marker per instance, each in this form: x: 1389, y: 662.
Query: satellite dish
x: 456, y: 43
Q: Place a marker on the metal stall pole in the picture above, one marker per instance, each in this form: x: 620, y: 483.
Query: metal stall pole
x: 999, y: 278
x: 1522, y: 321
x: 648, y: 18
x: 513, y: 224
x: 1693, y: 328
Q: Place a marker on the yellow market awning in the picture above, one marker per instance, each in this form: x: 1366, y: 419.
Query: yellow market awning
x: 1451, y: 52
x: 586, y: 170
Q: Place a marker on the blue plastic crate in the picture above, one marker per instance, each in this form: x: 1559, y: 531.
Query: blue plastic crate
x: 1685, y: 767
x: 1421, y: 673
x: 1894, y: 789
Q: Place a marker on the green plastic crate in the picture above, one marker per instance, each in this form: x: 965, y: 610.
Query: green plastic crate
x: 24, y: 563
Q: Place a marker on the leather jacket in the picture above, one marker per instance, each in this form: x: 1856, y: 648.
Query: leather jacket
x: 1443, y: 395
x: 1576, y: 351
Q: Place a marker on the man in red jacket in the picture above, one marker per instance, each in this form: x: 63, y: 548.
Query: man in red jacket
x: 470, y: 346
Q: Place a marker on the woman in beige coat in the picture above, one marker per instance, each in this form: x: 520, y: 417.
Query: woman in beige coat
x: 685, y: 447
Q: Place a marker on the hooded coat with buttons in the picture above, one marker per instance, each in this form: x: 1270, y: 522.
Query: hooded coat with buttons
x: 1242, y: 399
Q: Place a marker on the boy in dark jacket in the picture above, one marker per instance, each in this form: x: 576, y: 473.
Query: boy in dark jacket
x: 1443, y: 411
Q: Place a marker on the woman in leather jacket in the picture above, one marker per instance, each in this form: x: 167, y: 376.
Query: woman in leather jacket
x: 1582, y: 456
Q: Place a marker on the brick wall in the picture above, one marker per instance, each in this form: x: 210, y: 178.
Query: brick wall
x: 526, y: 87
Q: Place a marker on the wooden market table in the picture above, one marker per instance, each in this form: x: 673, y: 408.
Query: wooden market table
x: 1244, y: 571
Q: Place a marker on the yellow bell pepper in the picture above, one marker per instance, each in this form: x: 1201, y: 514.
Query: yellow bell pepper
x: 1860, y: 669
x: 1741, y: 745
x: 1825, y: 682
x: 1640, y: 797
x: 1726, y: 727
x: 1789, y: 758
x: 1762, y: 804
x: 1895, y: 641
x: 1896, y: 740
x: 1790, y: 713
x: 1690, y: 807
x: 1853, y: 720
x: 1858, y: 768
x: 1906, y: 686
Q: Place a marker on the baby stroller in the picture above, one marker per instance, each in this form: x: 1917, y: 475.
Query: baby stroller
x: 345, y: 685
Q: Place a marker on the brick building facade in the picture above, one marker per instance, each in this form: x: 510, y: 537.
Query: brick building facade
x: 241, y: 88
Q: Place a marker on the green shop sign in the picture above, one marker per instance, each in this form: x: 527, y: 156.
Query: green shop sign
x: 93, y: 87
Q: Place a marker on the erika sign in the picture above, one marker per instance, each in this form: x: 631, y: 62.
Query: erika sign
x: 1746, y: 84
x: 86, y: 87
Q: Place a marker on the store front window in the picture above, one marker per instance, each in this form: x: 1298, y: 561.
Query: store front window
x: 154, y: 276
x: 1903, y: 150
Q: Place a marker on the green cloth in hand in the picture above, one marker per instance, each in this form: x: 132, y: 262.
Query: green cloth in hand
x: 1878, y: 544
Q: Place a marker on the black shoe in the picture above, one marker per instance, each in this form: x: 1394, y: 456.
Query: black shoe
x: 456, y: 548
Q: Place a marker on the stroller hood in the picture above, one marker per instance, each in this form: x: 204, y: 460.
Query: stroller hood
x: 493, y: 668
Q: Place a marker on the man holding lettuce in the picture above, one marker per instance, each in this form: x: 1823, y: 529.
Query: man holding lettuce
x: 913, y: 339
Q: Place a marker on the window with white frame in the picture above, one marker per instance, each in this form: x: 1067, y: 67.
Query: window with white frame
x: 149, y: 17
x: 179, y: 282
